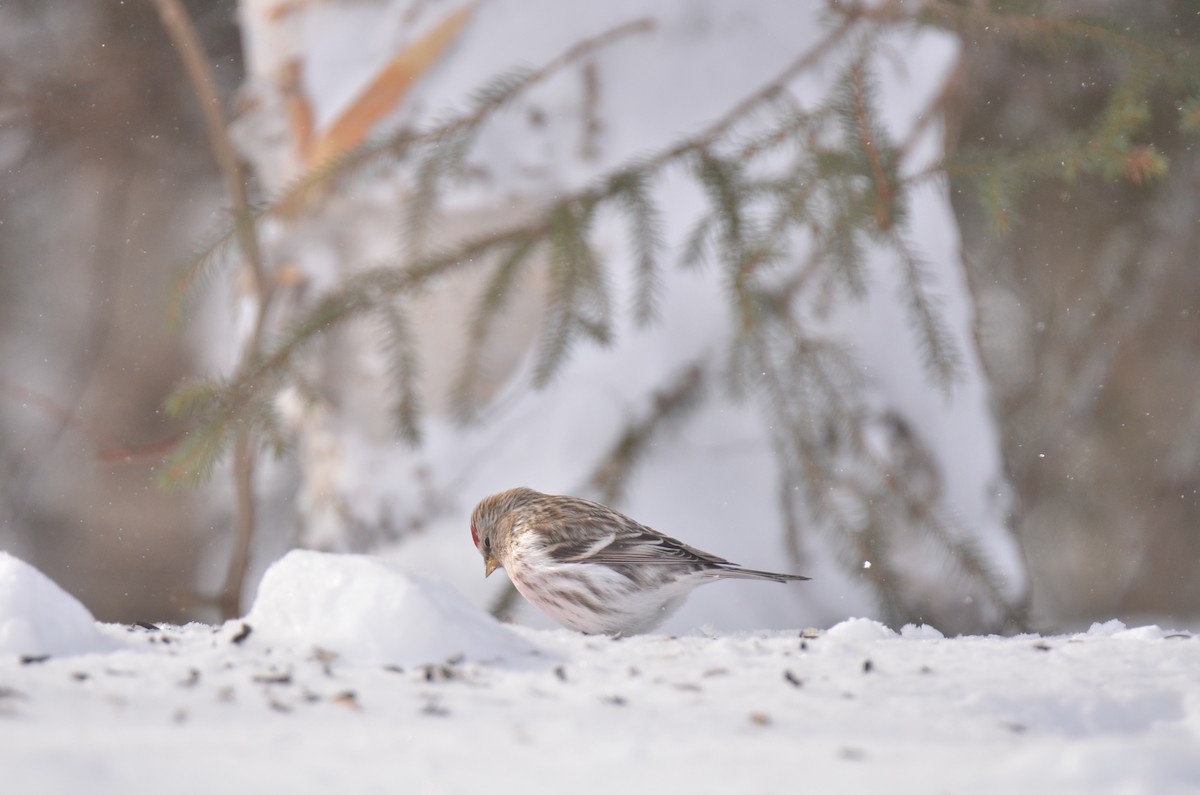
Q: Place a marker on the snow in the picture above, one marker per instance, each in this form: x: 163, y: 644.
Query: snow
x: 296, y: 698
x: 37, y: 617
x: 340, y: 602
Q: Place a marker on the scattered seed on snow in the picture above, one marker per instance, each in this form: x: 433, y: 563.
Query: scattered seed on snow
x: 325, y: 657
x: 435, y: 710
x: 438, y: 673
x: 348, y: 699
x: 242, y: 633
x: 273, y: 678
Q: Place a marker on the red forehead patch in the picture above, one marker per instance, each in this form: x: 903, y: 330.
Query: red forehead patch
x: 474, y: 536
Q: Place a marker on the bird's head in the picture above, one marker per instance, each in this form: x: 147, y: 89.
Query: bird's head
x: 492, y: 524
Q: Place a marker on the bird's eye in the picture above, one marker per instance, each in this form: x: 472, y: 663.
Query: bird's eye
x: 475, y: 536
x: 487, y: 545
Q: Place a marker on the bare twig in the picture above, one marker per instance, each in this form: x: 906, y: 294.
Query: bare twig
x: 108, y: 449
x: 64, y: 416
x: 229, y: 600
x: 195, y: 62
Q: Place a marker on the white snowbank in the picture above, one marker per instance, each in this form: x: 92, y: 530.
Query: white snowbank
x: 368, y: 611
x: 38, y: 617
x: 921, y: 632
x: 859, y: 629
x: 856, y: 708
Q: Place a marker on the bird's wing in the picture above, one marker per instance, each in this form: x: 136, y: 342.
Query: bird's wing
x: 574, y: 530
x: 634, y: 544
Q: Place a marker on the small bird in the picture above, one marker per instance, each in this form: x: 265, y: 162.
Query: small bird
x: 589, y: 567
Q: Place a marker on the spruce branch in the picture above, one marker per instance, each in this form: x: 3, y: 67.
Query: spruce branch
x: 579, y: 300
x: 668, y: 406
x: 941, y: 357
x: 1109, y: 147
x: 404, y: 368
x: 194, y: 458
x: 350, y: 299
x: 193, y: 398
x: 575, y: 288
x: 845, y: 244
x: 699, y: 245
x: 724, y: 182
x: 491, y: 305
x: 872, y: 141
x: 965, y: 554
x: 806, y: 382
x: 645, y: 222
x: 316, y: 181
x: 1047, y: 29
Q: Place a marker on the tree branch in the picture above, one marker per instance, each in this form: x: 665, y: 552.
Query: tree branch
x: 195, y: 62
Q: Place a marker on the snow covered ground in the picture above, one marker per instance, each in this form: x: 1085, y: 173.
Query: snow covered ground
x: 354, y: 676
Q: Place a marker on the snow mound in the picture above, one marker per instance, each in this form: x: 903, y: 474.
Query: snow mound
x: 859, y: 629
x: 38, y: 617
x: 921, y: 632
x: 367, y: 611
x: 1106, y: 629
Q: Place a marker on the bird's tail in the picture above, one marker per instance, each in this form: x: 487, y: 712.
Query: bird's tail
x: 737, y: 572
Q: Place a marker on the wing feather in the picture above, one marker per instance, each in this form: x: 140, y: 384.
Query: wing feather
x: 575, y: 530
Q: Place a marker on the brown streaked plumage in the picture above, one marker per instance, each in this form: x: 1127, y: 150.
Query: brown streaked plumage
x: 589, y: 567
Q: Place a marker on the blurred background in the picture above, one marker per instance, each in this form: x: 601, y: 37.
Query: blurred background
x: 1086, y: 323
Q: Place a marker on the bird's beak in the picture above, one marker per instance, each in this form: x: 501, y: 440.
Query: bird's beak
x: 489, y: 565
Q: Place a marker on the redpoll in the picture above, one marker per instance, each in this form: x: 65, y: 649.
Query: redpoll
x: 589, y: 567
